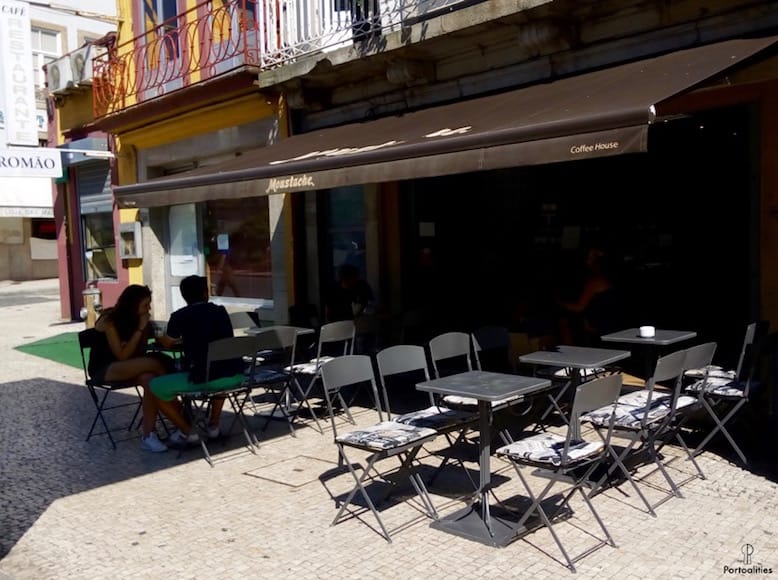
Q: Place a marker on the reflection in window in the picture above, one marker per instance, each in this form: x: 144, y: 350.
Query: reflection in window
x: 347, y: 228
x: 237, y: 247
x: 99, y: 246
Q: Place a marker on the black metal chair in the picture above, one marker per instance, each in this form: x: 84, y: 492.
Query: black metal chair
x: 567, y: 460
x: 724, y: 396
x: 101, y: 393
x: 380, y: 441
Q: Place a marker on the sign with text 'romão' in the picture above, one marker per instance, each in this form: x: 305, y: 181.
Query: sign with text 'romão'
x: 17, y: 90
x: 30, y: 162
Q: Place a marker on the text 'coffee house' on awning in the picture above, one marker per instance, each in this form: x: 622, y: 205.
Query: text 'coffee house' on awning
x: 602, y: 113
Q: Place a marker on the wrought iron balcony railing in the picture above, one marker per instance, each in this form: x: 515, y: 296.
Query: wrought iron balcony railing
x: 220, y: 36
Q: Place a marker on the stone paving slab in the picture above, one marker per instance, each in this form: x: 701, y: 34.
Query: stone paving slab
x: 80, y: 510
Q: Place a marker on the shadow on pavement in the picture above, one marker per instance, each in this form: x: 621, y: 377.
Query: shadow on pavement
x: 43, y: 424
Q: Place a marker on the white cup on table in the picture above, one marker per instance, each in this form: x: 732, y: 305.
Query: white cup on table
x: 647, y: 332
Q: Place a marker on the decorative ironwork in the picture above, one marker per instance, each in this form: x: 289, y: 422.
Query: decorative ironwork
x: 217, y: 37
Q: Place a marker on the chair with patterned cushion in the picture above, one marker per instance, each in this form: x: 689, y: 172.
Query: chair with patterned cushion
x: 276, y: 347
x: 755, y: 332
x: 405, y: 359
x: 642, y: 418
x: 451, y: 352
x: 569, y: 459
x: 335, y: 339
x: 685, y: 406
x: 381, y: 441
x: 723, y: 396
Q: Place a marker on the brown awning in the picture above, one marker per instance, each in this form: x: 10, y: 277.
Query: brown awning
x: 596, y: 114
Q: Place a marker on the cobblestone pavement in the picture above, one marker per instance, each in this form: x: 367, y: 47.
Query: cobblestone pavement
x: 75, y: 509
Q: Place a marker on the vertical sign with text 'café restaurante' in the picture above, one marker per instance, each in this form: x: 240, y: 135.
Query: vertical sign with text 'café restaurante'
x: 17, y: 89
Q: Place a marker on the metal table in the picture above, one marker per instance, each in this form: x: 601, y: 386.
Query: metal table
x: 476, y: 522
x: 576, y: 358
x: 301, y: 330
x: 649, y: 345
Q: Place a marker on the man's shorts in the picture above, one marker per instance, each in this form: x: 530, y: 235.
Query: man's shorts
x: 166, y: 387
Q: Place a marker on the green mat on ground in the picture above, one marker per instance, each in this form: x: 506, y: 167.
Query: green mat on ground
x: 62, y: 348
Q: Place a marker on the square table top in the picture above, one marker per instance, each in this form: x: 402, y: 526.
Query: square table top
x: 485, y: 385
x: 578, y: 357
x: 661, y: 337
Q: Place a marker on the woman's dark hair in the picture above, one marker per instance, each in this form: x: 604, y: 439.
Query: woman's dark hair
x: 124, y: 314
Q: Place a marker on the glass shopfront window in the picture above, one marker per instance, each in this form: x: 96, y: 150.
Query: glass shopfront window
x: 346, y: 235
x: 99, y: 246
x: 237, y: 247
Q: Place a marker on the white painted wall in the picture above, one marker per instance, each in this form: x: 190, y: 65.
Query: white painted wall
x: 94, y: 17
x: 28, y: 196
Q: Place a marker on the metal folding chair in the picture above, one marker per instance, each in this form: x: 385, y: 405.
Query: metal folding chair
x: 405, y: 359
x: 491, y: 345
x: 335, y: 339
x: 723, y: 397
x: 235, y: 389
x: 755, y: 332
x: 568, y: 459
x: 642, y: 417
x: 276, y: 347
x: 684, y: 406
x: 99, y: 391
x: 450, y: 352
x: 382, y: 440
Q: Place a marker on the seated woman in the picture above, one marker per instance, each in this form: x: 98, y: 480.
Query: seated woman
x: 597, y: 310
x: 120, y: 354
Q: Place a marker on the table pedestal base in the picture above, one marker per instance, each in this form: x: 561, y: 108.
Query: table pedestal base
x: 467, y: 523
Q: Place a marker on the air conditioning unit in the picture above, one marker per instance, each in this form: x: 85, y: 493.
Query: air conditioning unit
x: 81, y: 63
x: 59, y: 76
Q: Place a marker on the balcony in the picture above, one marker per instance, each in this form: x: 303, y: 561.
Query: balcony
x: 216, y: 39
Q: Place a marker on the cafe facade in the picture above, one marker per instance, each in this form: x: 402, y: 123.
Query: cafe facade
x: 468, y: 185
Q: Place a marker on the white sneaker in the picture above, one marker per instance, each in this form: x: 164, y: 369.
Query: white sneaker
x: 213, y: 431
x: 152, y: 443
x: 178, y: 438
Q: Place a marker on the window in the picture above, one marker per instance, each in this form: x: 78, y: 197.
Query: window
x: 43, y: 228
x: 346, y: 232
x: 96, y: 204
x: 155, y: 12
x: 161, y: 15
x: 45, y: 49
x: 99, y: 246
x: 237, y: 247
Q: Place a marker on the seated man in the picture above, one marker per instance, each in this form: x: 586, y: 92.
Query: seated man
x: 350, y: 297
x: 194, y: 326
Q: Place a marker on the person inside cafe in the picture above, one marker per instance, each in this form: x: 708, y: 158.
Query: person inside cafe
x: 193, y: 327
x: 597, y: 309
x: 220, y: 263
x: 350, y: 297
x: 119, y: 354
